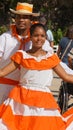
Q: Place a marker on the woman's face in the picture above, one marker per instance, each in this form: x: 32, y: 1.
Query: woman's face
x: 38, y: 37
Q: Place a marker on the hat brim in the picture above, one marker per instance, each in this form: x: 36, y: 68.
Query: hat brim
x: 24, y: 13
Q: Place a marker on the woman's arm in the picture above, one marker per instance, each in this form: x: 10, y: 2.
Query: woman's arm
x: 8, y: 69
x: 66, y: 68
x: 70, y: 60
x: 63, y: 74
x: 59, y: 51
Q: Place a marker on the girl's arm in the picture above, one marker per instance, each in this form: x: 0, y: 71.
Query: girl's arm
x: 63, y: 74
x: 8, y: 68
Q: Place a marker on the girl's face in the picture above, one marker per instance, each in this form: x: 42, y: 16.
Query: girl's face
x: 38, y: 37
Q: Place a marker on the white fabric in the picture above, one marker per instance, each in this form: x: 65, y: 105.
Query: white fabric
x: 50, y: 35
x: 35, y: 78
x: 70, y: 127
x: 2, y: 125
x: 66, y: 68
x: 70, y: 54
x: 8, y: 46
x: 27, y: 56
x: 26, y: 110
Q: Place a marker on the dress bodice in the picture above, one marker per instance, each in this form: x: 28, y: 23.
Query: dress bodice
x: 36, y: 71
x: 35, y: 78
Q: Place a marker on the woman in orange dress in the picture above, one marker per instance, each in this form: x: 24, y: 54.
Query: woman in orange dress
x: 31, y: 105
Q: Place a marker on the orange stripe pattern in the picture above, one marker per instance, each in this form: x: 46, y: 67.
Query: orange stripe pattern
x: 33, y: 108
x: 24, y: 7
x: 18, y: 94
x: 15, y: 121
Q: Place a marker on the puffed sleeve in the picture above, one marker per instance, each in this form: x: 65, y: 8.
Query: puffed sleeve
x: 17, y: 57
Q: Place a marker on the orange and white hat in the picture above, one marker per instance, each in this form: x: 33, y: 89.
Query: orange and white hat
x: 24, y: 9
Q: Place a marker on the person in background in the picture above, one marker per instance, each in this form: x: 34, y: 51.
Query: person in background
x: 13, y: 40
x: 70, y: 58
x: 31, y: 100
x: 65, y: 45
x: 50, y: 37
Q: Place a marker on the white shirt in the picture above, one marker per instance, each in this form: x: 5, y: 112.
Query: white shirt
x: 50, y: 36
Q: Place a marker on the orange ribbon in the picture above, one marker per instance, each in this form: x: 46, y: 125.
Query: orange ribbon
x: 8, y: 81
x: 22, y: 41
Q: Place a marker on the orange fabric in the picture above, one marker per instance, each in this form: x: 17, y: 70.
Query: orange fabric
x: 39, y: 123
x: 8, y: 117
x: 20, y: 122
x: 24, y: 7
x: 35, y: 22
x: 2, y: 109
x: 69, y: 121
x: 31, y: 63
x: 8, y: 81
x: 35, y: 123
x: 33, y: 98
x: 68, y: 112
x: 17, y: 57
x: 14, y: 33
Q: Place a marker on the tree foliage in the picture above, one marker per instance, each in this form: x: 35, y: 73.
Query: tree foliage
x: 57, y: 12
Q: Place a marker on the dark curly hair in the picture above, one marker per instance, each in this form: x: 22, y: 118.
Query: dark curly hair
x: 34, y: 26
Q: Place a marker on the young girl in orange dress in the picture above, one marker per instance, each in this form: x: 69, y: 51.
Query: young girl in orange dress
x: 31, y: 105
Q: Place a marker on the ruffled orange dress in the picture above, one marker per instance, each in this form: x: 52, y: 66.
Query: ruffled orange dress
x: 31, y: 105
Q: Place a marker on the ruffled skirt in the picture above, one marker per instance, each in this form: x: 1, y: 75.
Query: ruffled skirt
x: 28, y: 109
